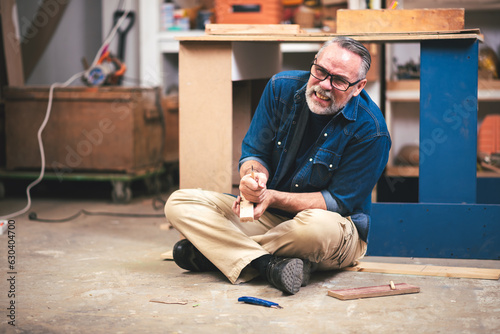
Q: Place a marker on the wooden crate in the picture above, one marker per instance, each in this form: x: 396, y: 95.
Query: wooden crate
x: 170, y: 106
x: 248, y: 11
x: 96, y: 129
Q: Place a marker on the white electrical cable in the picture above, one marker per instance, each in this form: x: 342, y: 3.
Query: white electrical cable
x: 110, y: 37
x: 47, y: 116
x: 40, y: 145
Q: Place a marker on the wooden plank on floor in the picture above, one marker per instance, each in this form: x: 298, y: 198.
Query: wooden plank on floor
x: 374, y: 291
x: 426, y: 270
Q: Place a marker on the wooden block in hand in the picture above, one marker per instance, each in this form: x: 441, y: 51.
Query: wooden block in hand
x: 246, y: 211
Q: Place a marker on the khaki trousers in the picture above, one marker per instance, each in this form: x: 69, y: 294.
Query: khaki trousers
x: 206, y: 219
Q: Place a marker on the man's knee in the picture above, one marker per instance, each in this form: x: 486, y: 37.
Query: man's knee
x: 319, y: 225
x: 172, y: 203
x: 178, y: 204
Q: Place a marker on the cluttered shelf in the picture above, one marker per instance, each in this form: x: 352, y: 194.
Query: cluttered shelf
x: 409, y: 90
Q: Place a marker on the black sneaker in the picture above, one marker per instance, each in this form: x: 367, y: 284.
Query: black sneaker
x: 188, y: 257
x: 286, y: 274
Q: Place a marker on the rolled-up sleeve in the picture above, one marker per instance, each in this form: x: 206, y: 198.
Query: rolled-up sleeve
x: 360, y: 168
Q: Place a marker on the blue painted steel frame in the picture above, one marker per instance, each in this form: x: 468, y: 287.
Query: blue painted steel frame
x: 446, y: 222
x: 448, y: 121
x: 465, y: 231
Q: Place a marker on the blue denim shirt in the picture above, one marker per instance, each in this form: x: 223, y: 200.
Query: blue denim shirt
x: 346, y: 161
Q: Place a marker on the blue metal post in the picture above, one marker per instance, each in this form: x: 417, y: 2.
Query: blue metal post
x: 448, y: 121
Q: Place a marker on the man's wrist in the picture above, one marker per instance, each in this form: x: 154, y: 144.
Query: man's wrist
x: 258, y: 168
x: 250, y: 168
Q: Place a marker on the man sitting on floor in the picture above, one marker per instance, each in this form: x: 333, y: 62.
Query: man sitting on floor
x: 316, y: 147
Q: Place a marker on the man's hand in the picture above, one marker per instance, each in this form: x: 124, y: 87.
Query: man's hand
x: 254, y: 190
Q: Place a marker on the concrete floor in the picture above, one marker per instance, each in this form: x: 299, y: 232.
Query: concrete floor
x: 98, y: 274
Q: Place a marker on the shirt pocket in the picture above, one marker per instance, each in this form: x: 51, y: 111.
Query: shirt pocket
x: 323, y: 166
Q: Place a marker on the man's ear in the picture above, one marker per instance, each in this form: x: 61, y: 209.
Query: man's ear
x: 359, y: 87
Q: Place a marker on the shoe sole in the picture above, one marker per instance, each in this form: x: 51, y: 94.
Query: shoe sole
x: 291, y: 276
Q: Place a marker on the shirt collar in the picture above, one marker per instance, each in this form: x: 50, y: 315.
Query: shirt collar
x: 350, y: 111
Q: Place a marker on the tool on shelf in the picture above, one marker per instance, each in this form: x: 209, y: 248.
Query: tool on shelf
x: 108, y: 70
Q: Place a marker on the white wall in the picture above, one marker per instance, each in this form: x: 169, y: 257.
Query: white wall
x: 77, y: 35
x: 82, y: 29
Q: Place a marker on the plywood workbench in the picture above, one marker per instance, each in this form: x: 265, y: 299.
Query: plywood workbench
x: 215, y: 112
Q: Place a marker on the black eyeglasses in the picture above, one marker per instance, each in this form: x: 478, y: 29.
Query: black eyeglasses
x: 337, y: 82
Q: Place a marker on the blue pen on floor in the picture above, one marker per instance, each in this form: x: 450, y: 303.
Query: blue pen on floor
x: 258, y: 301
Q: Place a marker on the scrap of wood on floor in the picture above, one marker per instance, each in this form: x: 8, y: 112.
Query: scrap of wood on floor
x: 169, y: 255
x: 172, y: 300
x: 166, y: 227
x: 426, y: 270
x: 374, y: 291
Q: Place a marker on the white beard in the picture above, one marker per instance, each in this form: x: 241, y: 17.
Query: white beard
x: 317, y: 108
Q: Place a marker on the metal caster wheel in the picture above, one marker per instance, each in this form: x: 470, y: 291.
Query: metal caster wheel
x: 121, y: 192
x: 153, y: 185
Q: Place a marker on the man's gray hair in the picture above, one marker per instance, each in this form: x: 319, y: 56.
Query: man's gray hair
x: 354, y: 46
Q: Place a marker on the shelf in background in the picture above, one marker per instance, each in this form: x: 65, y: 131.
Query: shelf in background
x: 403, y: 91
x: 167, y: 42
x: 412, y: 171
x: 409, y: 90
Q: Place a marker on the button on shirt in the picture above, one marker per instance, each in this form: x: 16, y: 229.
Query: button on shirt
x: 315, y: 126
x: 343, y: 163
